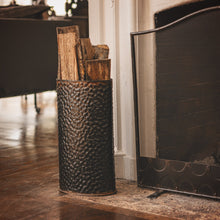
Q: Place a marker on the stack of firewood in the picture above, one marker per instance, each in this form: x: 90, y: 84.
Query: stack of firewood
x: 78, y: 59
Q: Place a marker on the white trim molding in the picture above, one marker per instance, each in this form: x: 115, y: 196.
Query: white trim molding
x: 110, y: 22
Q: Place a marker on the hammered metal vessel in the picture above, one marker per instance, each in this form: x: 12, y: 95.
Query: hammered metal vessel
x: 86, y: 159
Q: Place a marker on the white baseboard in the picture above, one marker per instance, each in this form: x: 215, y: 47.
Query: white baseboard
x: 125, y: 167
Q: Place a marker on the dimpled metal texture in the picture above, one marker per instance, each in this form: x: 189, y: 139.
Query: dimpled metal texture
x: 187, y: 177
x: 86, y: 161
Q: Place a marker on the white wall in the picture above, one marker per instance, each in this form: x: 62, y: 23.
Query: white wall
x: 59, y: 6
x: 19, y: 2
x: 146, y: 72
x: 4, y: 2
x: 159, y: 5
x: 146, y: 81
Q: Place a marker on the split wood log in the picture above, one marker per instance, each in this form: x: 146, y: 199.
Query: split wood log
x: 101, y: 51
x: 67, y: 39
x: 81, y: 64
x: 85, y: 51
x: 59, y: 68
x: 88, y: 51
x: 98, y: 69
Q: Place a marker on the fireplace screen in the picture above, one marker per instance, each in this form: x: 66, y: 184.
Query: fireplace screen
x: 176, y: 75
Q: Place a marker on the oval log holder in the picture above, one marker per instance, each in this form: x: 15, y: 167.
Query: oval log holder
x: 86, y: 162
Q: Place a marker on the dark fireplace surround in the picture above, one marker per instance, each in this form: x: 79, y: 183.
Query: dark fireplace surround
x: 187, y: 102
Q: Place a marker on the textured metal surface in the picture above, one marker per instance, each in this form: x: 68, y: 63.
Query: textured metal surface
x: 86, y: 136
x: 181, y: 176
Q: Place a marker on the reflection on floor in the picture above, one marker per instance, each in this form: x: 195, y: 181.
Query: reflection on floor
x: 29, y: 175
x: 29, y: 165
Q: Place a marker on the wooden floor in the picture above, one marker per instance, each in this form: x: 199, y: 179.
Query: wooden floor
x: 29, y: 166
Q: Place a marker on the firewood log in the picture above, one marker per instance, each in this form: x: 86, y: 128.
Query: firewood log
x: 98, y: 69
x: 88, y: 51
x: 67, y: 39
x: 85, y: 51
x: 101, y: 51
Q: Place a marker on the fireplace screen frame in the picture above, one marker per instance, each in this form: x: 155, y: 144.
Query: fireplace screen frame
x: 172, y: 175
